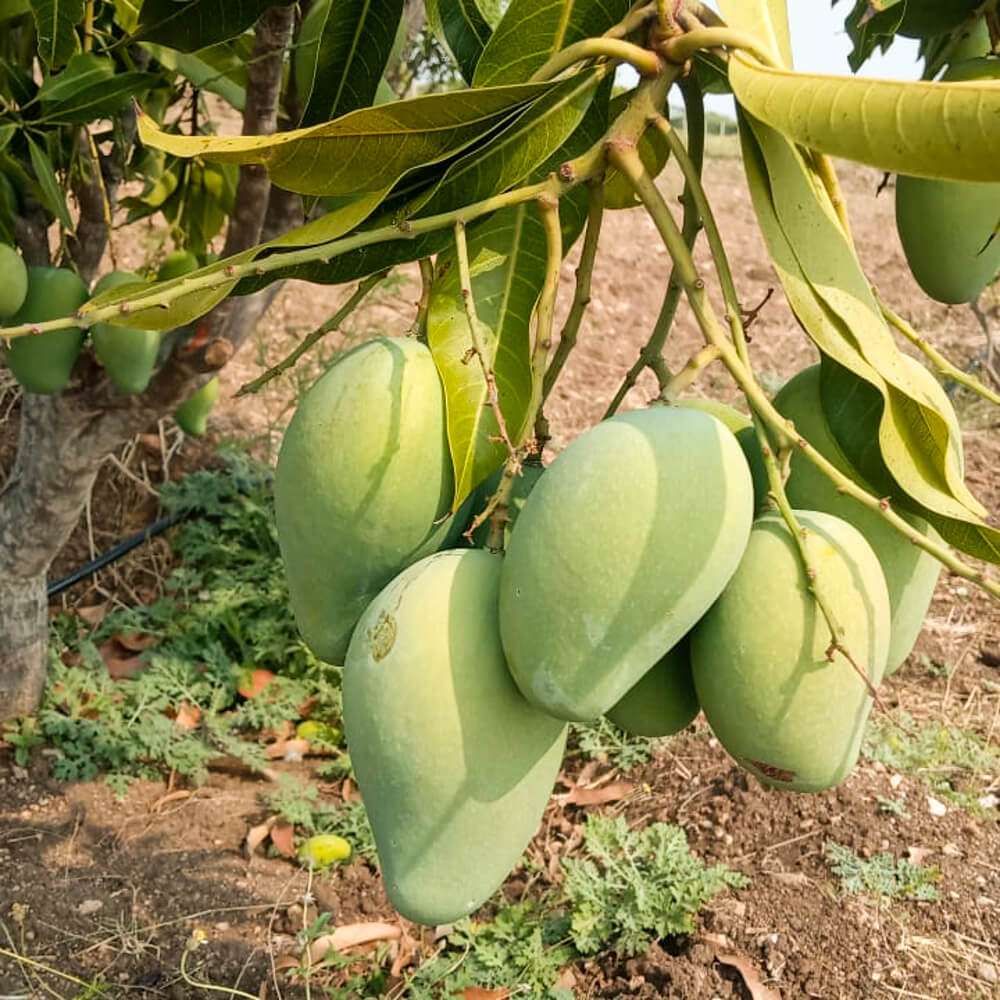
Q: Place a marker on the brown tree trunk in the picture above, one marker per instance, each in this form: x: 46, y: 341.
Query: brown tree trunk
x: 64, y: 439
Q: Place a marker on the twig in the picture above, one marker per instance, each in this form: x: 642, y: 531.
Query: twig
x: 197, y: 938
x: 548, y: 210
x: 679, y: 48
x: 936, y: 358
x: 333, y: 323
x: 479, y: 347
x: 644, y: 62
x: 419, y: 328
x: 696, y: 364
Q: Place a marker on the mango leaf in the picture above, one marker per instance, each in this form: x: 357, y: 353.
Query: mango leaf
x: 354, y: 45
x: 830, y: 296
x: 461, y: 27
x: 194, y: 24
x: 529, y: 141
x: 50, y: 192
x: 187, y: 308
x: 766, y: 20
x: 89, y: 88
x: 55, y: 25
x: 219, y: 69
x: 921, y: 128
x: 870, y: 29
x: 364, y: 151
x: 13, y: 8
x: 533, y: 30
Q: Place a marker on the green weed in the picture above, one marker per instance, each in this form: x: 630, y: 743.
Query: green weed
x: 604, y: 741
x: 882, y: 875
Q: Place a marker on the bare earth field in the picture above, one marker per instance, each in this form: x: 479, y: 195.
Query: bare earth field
x: 89, y: 884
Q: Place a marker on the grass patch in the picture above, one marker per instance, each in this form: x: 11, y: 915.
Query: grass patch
x: 883, y: 875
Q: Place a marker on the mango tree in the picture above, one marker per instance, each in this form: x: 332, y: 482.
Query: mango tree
x: 650, y: 563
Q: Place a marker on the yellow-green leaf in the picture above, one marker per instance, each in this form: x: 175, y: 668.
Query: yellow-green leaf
x: 921, y: 128
x: 766, y: 20
x: 366, y: 150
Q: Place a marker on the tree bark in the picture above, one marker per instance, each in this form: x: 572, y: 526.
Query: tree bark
x: 65, y: 438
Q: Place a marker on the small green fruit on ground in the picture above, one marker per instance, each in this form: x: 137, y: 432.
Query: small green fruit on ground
x: 192, y: 414
x: 622, y: 546
x: 43, y: 363
x: 323, y: 850
x: 318, y: 732
x: 910, y: 573
x: 759, y: 656
x: 128, y: 355
x: 454, y: 766
x: 176, y: 265
x: 946, y: 227
x: 13, y: 281
x: 664, y: 701
x: 363, y: 474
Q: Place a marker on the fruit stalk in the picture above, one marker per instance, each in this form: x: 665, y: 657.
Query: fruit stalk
x: 680, y: 48
x: 548, y: 210
x: 333, y: 323
x: 645, y: 62
x: 419, y: 328
x: 757, y: 398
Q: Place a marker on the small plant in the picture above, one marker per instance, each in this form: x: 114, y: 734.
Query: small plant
x: 604, y: 741
x: 637, y: 885
x: 882, y: 875
x: 892, y: 807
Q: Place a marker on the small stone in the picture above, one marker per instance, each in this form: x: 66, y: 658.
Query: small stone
x: 987, y: 972
x: 89, y: 907
x: 936, y: 807
x: 895, y: 781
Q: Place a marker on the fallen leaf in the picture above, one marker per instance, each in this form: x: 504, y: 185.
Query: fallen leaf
x: 613, y: 791
x: 790, y: 878
x: 748, y: 971
x: 256, y: 835
x: 349, y: 791
x: 119, y: 663
x: 406, y: 954
x: 567, y: 979
x: 151, y: 442
x: 165, y: 800
x: 283, y: 838
x: 135, y: 642
x: 93, y: 615
x: 479, y: 993
x: 188, y: 716
x: 287, y: 749
x: 89, y: 907
x: 918, y: 855
x: 352, y: 936
x: 252, y: 682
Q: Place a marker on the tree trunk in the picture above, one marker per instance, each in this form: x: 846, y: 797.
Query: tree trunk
x: 23, y: 639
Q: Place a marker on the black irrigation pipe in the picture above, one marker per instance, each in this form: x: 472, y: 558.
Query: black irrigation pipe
x: 114, y: 554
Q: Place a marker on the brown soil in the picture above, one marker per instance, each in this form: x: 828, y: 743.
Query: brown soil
x: 90, y: 885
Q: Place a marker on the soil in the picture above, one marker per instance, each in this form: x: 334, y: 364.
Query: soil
x: 92, y: 885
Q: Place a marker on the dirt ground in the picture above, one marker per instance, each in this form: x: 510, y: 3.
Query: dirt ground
x: 89, y: 884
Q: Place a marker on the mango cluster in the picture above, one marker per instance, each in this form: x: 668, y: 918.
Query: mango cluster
x: 44, y: 363
x: 645, y: 579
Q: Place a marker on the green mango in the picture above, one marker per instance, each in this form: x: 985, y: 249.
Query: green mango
x: 664, y: 701
x: 454, y: 766
x: 773, y: 700
x: 910, y: 573
x: 622, y: 546
x: 128, y: 355
x: 44, y: 363
x: 363, y: 477
x: 729, y: 415
x: 947, y: 227
x: 973, y: 42
x: 176, y: 265
x: 13, y: 281
x: 530, y: 474
x: 192, y: 414
x: 926, y: 18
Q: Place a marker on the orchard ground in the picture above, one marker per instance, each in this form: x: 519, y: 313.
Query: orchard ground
x: 92, y: 886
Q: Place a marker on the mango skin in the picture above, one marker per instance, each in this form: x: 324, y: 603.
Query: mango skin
x: 945, y: 225
x: 623, y: 545
x: 363, y: 474
x: 43, y: 363
x: 192, y: 414
x: 127, y: 354
x: 454, y: 766
x: 13, y: 281
x: 729, y: 415
x: 664, y: 701
x: 772, y: 699
x: 910, y: 573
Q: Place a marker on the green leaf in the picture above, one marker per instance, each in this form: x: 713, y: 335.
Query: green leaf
x: 13, y: 8
x: 366, y: 150
x: 921, y: 128
x: 766, y: 20
x: 830, y: 296
x: 55, y: 24
x: 220, y: 69
x: 354, y: 45
x: 196, y: 24
x: 7, y: 132
x: 207, y: 199
x: 90, y: 88
x: 462, y: 29
x: 52, y: 196
x: 533, y: 30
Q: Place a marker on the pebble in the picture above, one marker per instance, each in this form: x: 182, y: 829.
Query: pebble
x: 987, y: 972
x: 89, y: 906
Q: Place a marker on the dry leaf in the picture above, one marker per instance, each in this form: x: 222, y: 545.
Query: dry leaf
x: 252, y: 682
x: 352, y: 936
x: 479, y: 993
x: 256, y: 835
x: 287, y: 749
x: 164, y: 800
x: 135, y: 642
x: 92, y: 615
x: 790, y: 878
x: 283, y: 838
x: 567, y: 979
x: 349, y: 791
x: 121, y: 665
x: 614, y: 791
x: 748, y: 971
x: 188, y: 716
x: 918, y: 855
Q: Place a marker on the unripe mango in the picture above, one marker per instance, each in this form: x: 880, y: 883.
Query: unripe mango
x: 323, y: 850
x: 192, y: 414
x: 759, y: 656
x: 43, y: 363
x: 128, y: 355
x: 622, y: 546
x: 363, y: 474
x: 729, y: 415
x: 947, y: 227
x: 13, y: 281
x: 454, y: 766
x: 664, y: 701
x: 910, y: 573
